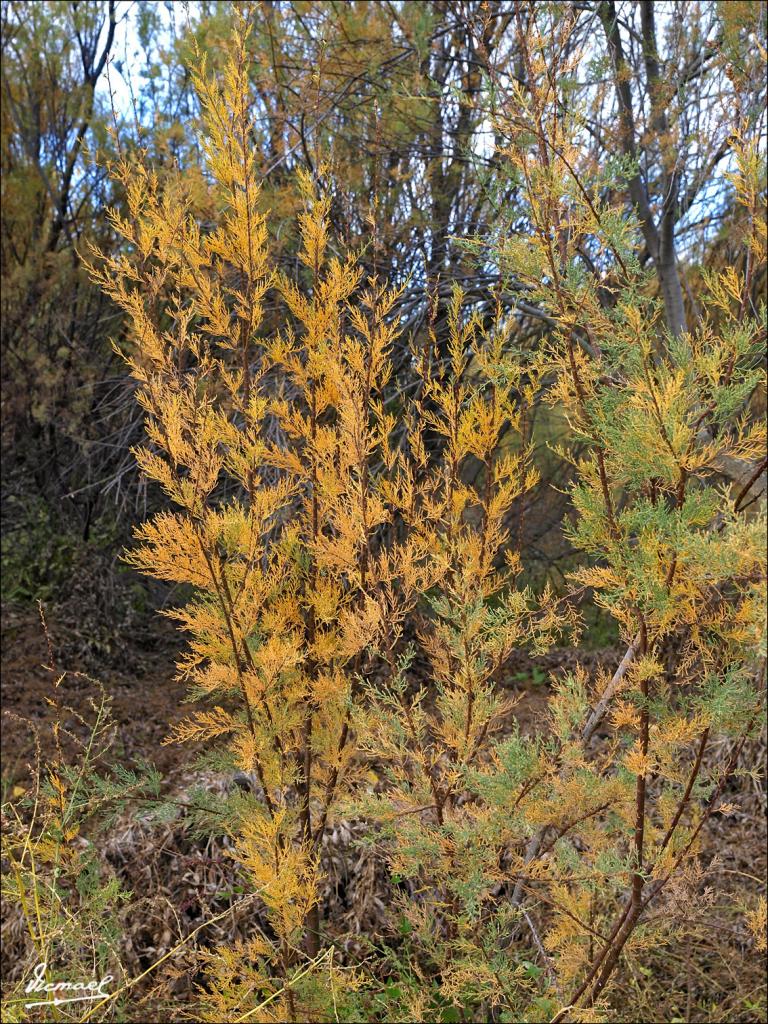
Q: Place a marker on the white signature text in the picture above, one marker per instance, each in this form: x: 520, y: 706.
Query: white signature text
x: 65, y: 991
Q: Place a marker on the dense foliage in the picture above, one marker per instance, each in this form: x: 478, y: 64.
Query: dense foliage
x: 348, y: 301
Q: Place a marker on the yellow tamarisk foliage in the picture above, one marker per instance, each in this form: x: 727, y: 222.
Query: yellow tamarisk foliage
x: 265, y: 446
x: 355, y: 573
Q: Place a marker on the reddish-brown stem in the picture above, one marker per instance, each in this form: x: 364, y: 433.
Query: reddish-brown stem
x: 634, y: 907
x: 365, y: 554
x: 688, y: 789
x: 574, y: 822
x: 235, y: 653
x: 312, y: 936
x: 330, y: 788
x: 750, y: 484
x: 708, y: 810
x: 625, y: 924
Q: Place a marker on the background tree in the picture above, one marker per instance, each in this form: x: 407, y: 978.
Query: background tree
x: 54, y: 324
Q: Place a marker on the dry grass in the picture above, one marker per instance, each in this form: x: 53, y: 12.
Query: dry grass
x: 180, y: 881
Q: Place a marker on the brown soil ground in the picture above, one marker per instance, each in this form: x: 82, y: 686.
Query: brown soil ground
x: 146, y: 697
